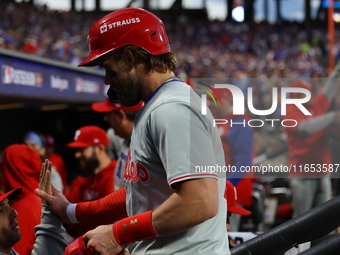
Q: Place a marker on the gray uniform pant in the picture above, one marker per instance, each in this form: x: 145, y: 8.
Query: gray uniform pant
x: 309, y: 192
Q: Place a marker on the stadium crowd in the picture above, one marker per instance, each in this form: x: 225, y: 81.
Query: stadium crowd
x: 210, y: 49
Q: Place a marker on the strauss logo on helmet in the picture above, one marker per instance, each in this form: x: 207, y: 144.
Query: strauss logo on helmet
x: 105, y: 27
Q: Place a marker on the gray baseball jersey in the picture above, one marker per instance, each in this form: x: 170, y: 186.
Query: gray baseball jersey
x: 170, y: 139
x: 120, y: 166
x: 116, y: 143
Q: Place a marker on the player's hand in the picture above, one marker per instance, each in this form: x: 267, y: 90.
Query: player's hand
x: 102, y: 241
x: 45, y: 178
x: 56, y: 201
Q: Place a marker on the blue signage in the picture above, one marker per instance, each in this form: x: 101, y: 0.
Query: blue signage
x: 22, y: 77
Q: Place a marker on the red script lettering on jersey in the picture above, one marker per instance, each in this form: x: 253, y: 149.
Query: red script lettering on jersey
x: 135, y: 171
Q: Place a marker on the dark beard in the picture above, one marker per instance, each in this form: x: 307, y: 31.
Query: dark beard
x: 90, y: 166
x: 128, y: 89
x: 11, y: 238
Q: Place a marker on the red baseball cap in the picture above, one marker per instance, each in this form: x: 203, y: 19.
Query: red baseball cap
x: 78, y: 247
x: 89, y: 135
x: 10, y: 195
x: 108, y: 106
x: 231, y: 196
x: 224, y: 92
x: 301, y: 84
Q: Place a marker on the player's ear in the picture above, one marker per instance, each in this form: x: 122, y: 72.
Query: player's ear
x: 128, y: 58
x: 122, y: 115
x: 119, y: 116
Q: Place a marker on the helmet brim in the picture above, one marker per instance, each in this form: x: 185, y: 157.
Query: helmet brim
x: 93, y: 57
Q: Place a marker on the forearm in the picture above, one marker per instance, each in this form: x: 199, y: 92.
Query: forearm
x: 194, y: 202
x: 103, y: 211
x: 50, y: 233
x: 191, y: 205
x: 316, y: 124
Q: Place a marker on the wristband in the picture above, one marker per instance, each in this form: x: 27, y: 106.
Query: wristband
x: 71, y: 213
x: 134, y: 228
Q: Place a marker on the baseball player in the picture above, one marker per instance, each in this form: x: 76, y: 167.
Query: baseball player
x: 237, y: 142
x: 121, y: 120
x: 308, y: 145
x: 96, y: 178
x: 39, y: 227
x: 22, y: 160
x: 230, y: 194
x: 167, y: 206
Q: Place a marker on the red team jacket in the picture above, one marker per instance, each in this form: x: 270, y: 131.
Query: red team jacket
x: 87, y: 189
x: 307, y: 149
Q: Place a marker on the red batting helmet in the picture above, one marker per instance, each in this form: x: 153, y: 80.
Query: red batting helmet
x: 129, y: 26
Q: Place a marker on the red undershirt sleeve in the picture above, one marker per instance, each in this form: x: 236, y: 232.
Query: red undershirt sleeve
x: 106, y: 210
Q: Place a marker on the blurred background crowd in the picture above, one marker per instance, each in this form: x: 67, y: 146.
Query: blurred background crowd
x: 203, y: 48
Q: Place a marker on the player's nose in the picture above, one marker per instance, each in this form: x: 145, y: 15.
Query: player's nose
x: 14, y: 213
x: 107, y: 79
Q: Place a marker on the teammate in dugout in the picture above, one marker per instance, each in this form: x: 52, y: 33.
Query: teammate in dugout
x: 96, y: 171
x: 308, y: 144
x: 230, y: 194
x: 165, y: 206
x: 21, y: 165
x: 121, y: 120
x: 237, y: 142
x: 49, y: 232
